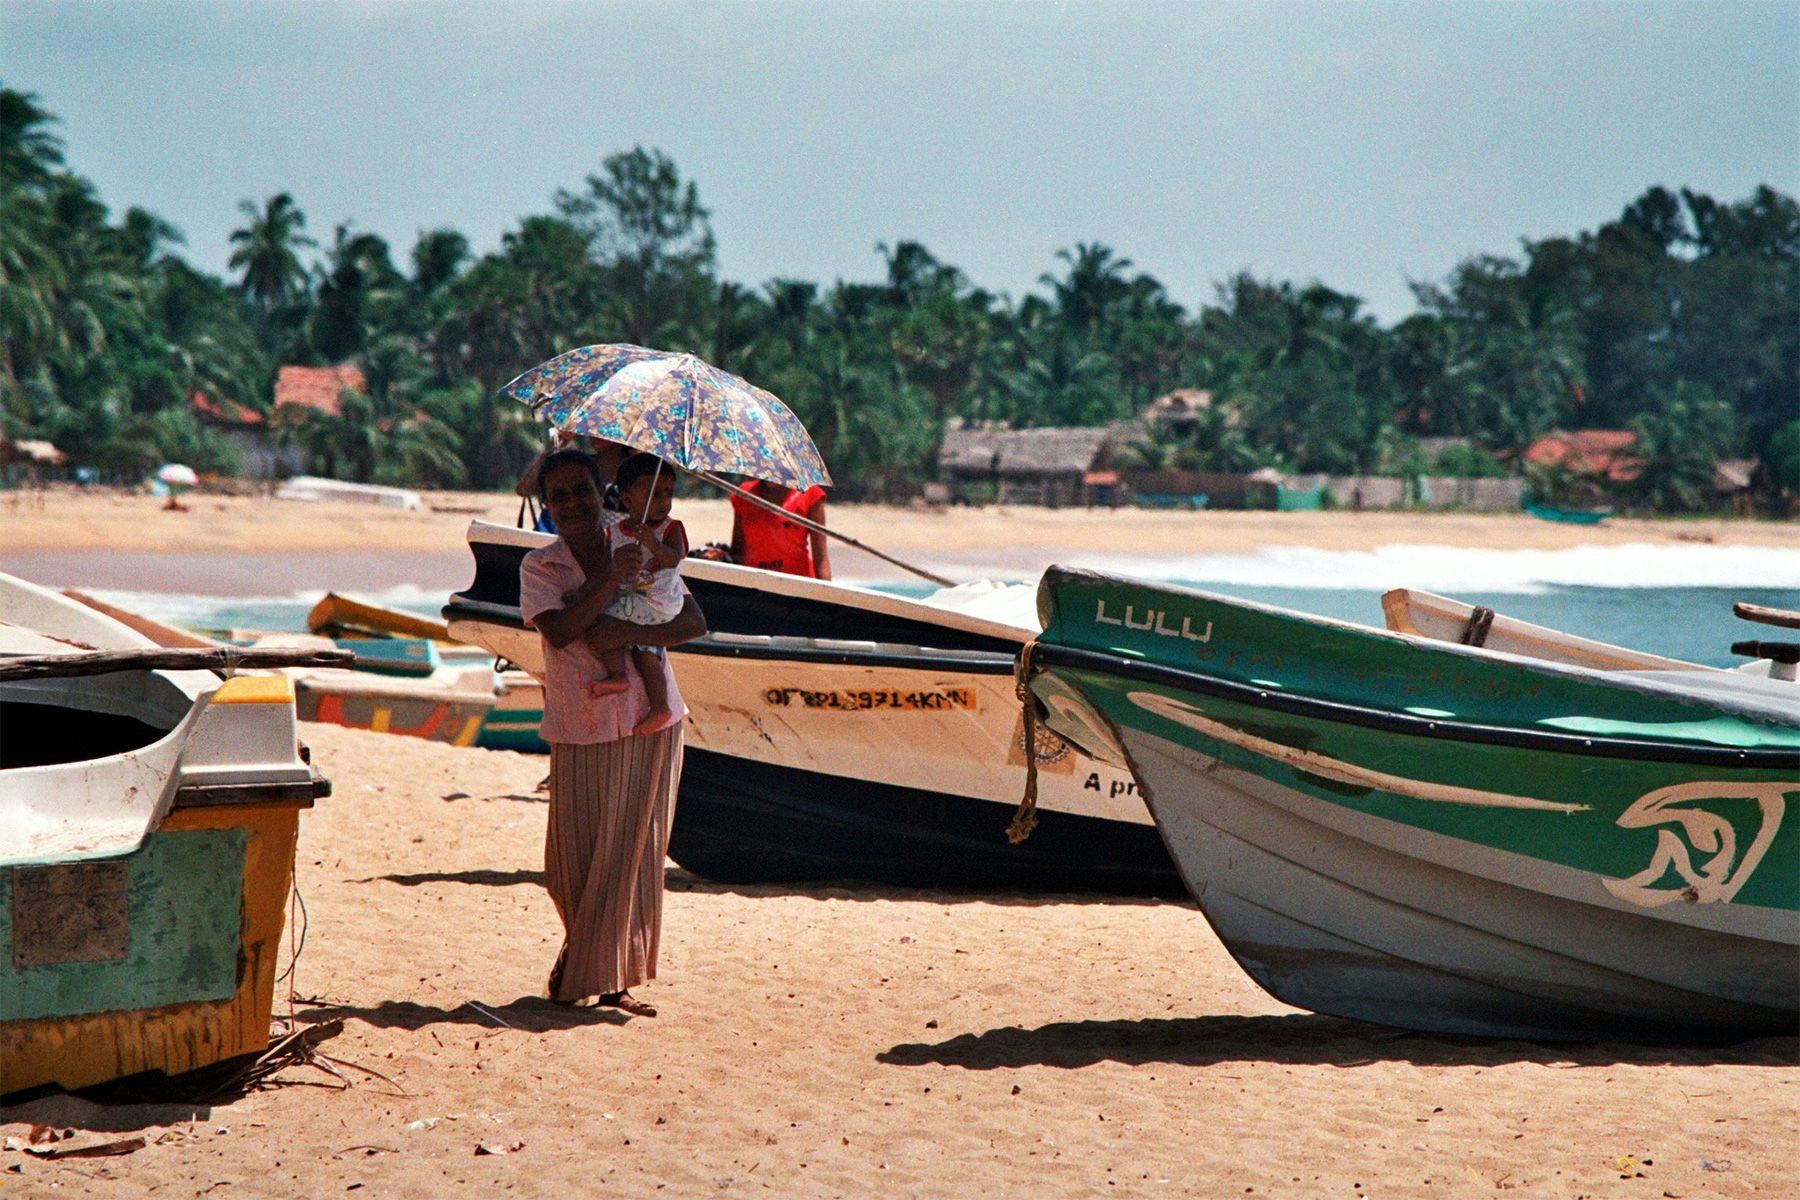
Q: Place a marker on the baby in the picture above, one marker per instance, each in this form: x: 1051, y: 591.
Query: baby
x: 647, y: 488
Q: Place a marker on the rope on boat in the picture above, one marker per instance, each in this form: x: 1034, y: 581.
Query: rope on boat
x: 1025, y: 819
x: 1481, y: 620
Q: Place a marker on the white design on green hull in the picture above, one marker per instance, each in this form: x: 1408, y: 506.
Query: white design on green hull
x: 1153, y: 623
x: 1719, y: 877
x: 1332, y: 768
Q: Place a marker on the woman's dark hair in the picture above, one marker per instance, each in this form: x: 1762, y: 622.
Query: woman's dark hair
x: 637, y: 467
x: 562, y: 458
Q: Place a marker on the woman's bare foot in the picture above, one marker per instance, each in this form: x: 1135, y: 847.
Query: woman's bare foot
x: 626, y: 1002
x: 608, y: 687
x: 653, y: 720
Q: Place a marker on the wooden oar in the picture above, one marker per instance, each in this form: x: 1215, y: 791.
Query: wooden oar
x: 1782, y: 617
x: 752, y: 497
x: 223, y: 658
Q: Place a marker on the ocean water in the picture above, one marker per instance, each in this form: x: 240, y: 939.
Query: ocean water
x: 1669, y: 600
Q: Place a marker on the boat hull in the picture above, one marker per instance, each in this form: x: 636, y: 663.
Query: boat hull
x: 436, y: 715
x: 1346, y: 913
x: 1442, y: 838
x: 739, y: 821
x: 840, y: 734
x: 104, y: 1031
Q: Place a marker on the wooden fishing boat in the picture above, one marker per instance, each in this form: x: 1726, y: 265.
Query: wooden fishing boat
x: 1443, y: 619
x: 440, y: 708
x: 388, y: 641
x: 1446, y: 837
x: 837, y: 732
x: 450, y: 705
x: 147, y: 830
x: 1567, y: 516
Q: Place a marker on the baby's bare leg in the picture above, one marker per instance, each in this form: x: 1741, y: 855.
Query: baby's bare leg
x: 613, y: 660
x: 656, y: 689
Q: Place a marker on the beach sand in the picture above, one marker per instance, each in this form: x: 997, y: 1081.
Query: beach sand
x: 823, y: 1041
x: 253, y: 546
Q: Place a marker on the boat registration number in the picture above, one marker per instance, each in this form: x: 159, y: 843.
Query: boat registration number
x: 872, y: 699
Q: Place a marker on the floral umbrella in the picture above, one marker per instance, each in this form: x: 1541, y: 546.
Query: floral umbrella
x: 553, y: 387
x: 674, y: 406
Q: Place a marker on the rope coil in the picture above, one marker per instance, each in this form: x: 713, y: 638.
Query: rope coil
x: 1025, y: 819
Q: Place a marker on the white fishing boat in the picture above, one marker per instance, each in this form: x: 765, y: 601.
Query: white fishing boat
x: 837, y: 731
x: 1449, y: 837
x: 147, y: 828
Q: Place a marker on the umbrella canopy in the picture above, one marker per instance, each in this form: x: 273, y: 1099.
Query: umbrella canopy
x: 552, y: 388
x: 177, y: 475
x: 674, y: 406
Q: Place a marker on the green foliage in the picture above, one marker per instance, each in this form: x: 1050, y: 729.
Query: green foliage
x: 1679, y: 320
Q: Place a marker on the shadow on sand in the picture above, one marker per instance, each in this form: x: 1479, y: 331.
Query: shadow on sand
x: 1295, y: 1039
x: 531, y: 1014
x: 480, y: 877
x: 678, y: 879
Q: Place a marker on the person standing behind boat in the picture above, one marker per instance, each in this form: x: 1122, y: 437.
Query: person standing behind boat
x: 759, y: 538
x: 608, y: 457
x: 612, y: 787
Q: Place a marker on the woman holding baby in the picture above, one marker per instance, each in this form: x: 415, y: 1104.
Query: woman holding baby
x: 606, y: 599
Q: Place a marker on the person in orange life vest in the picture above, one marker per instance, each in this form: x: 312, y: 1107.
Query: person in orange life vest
x: 759, y: 538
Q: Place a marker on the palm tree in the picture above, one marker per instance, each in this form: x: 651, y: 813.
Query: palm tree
x: 1095, y: 284
x: 267, y: 251
x: 29, y: 153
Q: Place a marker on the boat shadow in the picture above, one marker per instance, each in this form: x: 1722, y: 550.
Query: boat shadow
x: 480, y: 877
x: 1296, y: 1039
x: 528, y: 1014
x: 678, y: 879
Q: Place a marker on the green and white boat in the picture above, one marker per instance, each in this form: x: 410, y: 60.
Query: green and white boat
x: 1446, y: 837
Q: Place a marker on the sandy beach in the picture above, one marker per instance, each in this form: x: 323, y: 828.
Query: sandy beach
x: 252, y: 546
x: 835, y: 1042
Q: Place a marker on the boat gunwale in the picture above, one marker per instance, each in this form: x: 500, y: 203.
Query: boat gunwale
x: 776, y: 647
x: 1051, y: 654
x: 779, y: 583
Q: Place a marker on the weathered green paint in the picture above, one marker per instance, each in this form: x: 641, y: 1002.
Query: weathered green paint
x: 185, y: 902
x: 1290, y: 654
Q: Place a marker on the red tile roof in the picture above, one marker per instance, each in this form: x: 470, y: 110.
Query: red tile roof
x: 316, y: 387
x: 1589, y: 452
x: 215, y: 411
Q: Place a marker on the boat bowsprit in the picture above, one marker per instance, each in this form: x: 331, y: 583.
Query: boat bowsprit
x: 1444, y: 837
x: 838, y: 732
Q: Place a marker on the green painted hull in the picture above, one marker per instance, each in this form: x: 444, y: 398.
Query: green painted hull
x: 160, y: 928
x: 1334, y: 795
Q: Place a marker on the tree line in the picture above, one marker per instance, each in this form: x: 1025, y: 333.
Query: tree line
x: 1679, y: 320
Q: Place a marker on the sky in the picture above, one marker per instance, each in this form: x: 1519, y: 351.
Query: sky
x: 1364, y: 145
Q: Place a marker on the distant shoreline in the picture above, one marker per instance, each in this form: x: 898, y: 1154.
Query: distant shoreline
x: 227, y: 545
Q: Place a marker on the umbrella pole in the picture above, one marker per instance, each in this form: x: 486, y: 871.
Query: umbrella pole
x: 779, y: 511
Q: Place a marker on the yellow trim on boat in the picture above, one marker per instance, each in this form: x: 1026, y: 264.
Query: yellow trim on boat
x: 255, y: 689
x: 471, y: 727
